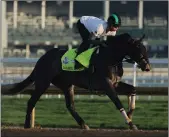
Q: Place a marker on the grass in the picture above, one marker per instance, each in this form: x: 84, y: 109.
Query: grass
x: 99, y: 112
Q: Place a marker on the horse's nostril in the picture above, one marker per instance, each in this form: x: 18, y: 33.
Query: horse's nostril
x: 148, y: 67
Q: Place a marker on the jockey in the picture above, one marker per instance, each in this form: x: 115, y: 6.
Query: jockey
x: 91, y: 27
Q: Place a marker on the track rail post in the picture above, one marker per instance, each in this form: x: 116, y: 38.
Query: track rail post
x: 33, y: 118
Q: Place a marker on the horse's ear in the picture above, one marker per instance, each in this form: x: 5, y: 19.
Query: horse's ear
x: 142, y: 37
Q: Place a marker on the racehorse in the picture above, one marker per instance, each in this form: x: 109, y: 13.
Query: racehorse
x: 48, y: 70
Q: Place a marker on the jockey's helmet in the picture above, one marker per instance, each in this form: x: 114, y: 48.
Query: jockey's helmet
x: 114, y: 20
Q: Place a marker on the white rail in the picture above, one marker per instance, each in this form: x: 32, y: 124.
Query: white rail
x: 157, y: 77
x: 34, y: 60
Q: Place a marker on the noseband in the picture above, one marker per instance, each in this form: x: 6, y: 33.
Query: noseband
x: 142, y: 61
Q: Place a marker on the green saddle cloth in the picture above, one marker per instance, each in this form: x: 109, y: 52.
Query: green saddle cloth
x: 68, y: 59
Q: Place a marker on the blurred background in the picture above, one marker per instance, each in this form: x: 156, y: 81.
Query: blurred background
x: 47, y: 24
x: 31, y: 28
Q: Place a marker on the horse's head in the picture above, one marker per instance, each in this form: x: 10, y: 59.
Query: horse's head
x: 123, y: 45
x: 137, y: 52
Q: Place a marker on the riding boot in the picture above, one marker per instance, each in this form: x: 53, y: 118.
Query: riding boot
x: 77, y: 64
x: 90, y: 71
x: 80, y: 49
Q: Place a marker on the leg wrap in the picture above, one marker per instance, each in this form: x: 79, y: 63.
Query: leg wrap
x: 129, y: 103
x: 127, y: 119
x: 133, y: 99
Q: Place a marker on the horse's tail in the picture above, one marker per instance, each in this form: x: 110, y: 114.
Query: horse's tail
x: 18, y: 87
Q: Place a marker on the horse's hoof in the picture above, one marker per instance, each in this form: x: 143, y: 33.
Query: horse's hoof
x: 38, y: 127
x: 26, y: 127
x: 85, y: 127
x: 133, y: 127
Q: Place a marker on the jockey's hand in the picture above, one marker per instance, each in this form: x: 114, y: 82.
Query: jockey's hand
x: 98, y: 42
x: 104, y: 44
x: 95, y: 42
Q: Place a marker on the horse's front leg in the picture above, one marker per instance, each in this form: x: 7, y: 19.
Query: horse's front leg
x: 131, y: 104
x: 69, y: 98
x: 130, y: 91
x: 111, y: 93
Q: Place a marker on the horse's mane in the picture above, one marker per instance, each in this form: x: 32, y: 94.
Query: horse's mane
x: 121, y: 39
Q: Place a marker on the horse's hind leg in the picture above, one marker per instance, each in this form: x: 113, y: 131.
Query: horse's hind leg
x: 130, y: 91
x: 69, y: 98
x: 131, y: 104
x: 68, y: 90
x: 39, y: 90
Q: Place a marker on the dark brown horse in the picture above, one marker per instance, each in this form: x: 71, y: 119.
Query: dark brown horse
x: 48, y: 70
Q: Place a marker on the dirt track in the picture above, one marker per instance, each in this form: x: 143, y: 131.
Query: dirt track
x: 49, y: 132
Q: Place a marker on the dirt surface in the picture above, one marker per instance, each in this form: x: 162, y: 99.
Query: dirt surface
x: 65, y: 132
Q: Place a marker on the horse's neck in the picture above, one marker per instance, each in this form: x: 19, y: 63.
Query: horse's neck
x: 105, y: 62
x: 112, y: 55
x: 103, y: 56
x: 118, y: 47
